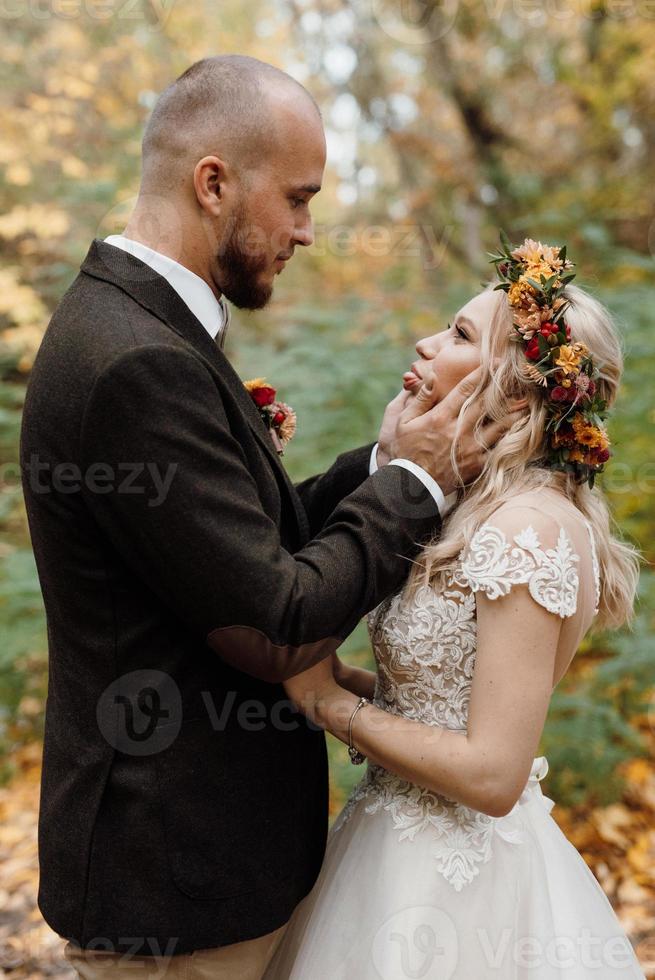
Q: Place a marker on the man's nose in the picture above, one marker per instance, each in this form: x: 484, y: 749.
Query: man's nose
x: 304, y: 234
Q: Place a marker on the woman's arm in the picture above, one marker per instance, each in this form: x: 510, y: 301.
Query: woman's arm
x: 487, y: 767
x: 357, y: 680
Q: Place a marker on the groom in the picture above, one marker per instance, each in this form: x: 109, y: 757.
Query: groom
x: 184, y: 803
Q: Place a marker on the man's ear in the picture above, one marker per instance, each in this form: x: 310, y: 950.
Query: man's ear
x: 207, y: 178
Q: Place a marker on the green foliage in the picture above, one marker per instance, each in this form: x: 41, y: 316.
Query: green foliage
x: 336, y: 376
x: 592, y: 723
x: 22, y: 619
x: 338, y: 365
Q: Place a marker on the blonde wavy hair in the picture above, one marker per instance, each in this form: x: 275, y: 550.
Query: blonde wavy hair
x: 516, y: 463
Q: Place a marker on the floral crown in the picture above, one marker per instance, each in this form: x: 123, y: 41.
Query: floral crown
x: 534, y: 276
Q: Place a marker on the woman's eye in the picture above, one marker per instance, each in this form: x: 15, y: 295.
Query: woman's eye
x: 460, y: 333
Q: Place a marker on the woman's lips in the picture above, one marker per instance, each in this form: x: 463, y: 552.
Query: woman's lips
x: 411, y: 381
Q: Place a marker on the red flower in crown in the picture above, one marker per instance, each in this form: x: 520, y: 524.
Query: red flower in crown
x: 532, y: 350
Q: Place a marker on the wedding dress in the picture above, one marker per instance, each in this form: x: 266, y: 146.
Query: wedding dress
x: 415, y: 885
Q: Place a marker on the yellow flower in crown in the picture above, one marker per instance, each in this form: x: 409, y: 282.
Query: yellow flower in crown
x: 568, y: 360
x: 576, y: 455
x: 538, y: 269
x: 520, y: 292
x: 533, y: 253
x: 529, y: 252
x: 589, y: 435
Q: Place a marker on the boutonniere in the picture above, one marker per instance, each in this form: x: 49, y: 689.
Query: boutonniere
x: 278, y: 417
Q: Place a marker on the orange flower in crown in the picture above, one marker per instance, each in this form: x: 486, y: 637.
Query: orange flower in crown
x: 535, y: 276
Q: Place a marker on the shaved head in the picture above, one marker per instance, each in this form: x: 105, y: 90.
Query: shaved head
x: 230, y: 106
x: 233, y: 153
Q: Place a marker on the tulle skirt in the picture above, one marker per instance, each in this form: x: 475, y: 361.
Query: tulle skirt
x: 394, y: 906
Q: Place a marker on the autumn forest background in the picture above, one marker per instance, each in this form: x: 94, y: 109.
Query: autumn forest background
x: 445, y: 121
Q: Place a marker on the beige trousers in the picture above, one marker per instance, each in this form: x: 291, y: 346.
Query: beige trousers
x: 240, y: 961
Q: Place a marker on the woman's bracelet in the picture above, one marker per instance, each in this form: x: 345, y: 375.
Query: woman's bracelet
x: 355, y: 757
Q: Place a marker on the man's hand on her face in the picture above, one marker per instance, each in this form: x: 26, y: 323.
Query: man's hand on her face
x: 425, y: 432
x: 390, y: 420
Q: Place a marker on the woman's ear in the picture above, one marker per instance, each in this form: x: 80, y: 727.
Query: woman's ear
x: 518, y: 404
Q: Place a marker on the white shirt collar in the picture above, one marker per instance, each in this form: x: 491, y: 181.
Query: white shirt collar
x: 194, y: 291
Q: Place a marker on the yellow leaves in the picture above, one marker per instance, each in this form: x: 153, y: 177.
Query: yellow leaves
x: 28, y: 947
x: 62, y: 126
x: 45, y: 221
x: 109, y: 105
x: 618, y: 844
x: 74, y: 167
x: 25, y: 340
x: 21, y: 305
x: 640, y: 772
x: 613, y: 824
x: 640, y: 779
x: 71, y: 85
x: 38, y: 103
x: 10, y: 152
x: 19, y: 174
x: 641, y: 857
x: 18, y: 301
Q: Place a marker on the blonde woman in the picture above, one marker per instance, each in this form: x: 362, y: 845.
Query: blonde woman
x: 445, y: 862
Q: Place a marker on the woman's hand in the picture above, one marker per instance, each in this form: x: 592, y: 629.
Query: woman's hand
x: 357, y: 680
x: 311, y: 686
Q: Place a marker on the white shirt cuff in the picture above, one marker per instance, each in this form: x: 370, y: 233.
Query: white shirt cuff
x: 445, y: 504
x: 373, y: 462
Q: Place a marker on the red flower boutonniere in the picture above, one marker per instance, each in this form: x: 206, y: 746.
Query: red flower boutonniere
x: 278, y: 417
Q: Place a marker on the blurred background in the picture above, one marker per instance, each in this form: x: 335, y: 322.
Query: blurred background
x: 445, y: 121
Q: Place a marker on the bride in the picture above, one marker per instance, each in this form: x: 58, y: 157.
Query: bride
x: 445, y: 862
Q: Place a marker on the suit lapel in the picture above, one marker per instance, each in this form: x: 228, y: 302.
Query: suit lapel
x: 151, y: 291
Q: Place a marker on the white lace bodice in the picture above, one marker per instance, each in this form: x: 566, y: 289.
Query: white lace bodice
x: 425, y: 649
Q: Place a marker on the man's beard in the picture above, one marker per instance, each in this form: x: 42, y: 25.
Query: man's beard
x: 239, y: 268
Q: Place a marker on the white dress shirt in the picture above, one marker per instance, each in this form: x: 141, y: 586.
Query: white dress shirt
x: 214, y: 315
x: 445, y: 504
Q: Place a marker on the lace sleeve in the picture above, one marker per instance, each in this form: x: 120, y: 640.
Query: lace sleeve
x: 509, y: 553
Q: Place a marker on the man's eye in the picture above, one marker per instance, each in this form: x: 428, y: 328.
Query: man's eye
x: 297, y: 201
